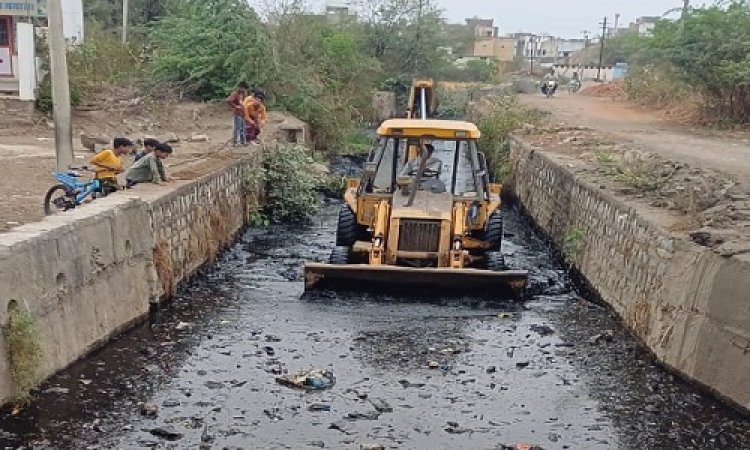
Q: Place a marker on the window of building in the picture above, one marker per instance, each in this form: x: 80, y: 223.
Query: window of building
x: 4, y: 32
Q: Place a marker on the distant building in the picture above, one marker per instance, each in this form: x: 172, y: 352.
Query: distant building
x: 483, y: 27
x: 338, y: 12
x: 19, y: 68
x: 644, y: 26
x: 488, y: 44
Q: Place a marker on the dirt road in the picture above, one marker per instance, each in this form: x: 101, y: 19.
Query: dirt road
x: 727, y: 152
x: 27, y: 152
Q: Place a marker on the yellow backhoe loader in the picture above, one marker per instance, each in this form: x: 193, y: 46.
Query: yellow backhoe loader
x: 424, y: 212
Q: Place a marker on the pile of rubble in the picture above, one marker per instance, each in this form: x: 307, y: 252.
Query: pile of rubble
x: 614, y: 89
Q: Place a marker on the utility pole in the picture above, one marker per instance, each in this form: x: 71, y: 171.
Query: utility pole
x: 60, y: 86
x: 125, y: 10
x: 533, y: 44
x: 685, y: 8
x: 601, y: 50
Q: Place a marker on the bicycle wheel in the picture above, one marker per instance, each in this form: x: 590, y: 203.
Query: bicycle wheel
x: 58, y: 198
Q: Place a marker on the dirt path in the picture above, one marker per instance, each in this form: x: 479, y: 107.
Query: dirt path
x: 27, y: 152
x: 651, y: 131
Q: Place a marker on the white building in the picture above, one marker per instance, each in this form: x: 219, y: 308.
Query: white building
x: 644, y: 25
x: 19, y: 68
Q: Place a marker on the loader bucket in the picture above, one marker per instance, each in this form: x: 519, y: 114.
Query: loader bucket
x: 366, y: 277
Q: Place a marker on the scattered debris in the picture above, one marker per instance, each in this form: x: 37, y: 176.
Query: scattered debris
x: 149, y: 409
x: 311, y: 379
x: 183, y: 326
x: 606, y: 336
x: 166, y: 433
x: 213, y: 384
x: 319, y: 407
x: 454, y: 428
x: 409, y: 384
x: 56, y: 390
x: 381, y: 405
x: 274, y: 414
x: 543, y: 330
x: 369, y: 415
x: 371, y: 447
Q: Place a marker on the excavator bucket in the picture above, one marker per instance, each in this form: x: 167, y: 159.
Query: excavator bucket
x: 366, y: 277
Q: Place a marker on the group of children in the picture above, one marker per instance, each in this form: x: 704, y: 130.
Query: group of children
x: 147, y: 166
x: 249, y: 110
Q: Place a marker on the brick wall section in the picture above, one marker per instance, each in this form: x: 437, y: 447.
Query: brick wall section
x: 690, y: 306
x: 192, y: 223
x: 85, y: 275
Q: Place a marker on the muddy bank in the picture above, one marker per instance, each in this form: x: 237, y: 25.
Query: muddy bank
x: 556, y: 371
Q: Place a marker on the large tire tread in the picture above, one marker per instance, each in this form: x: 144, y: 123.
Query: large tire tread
x: 339, y: 255
x: 494, y: 232
x: 496, y: 262
x: 348, y: 230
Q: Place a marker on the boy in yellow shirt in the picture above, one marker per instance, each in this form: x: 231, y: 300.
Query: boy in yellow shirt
x: 107, y: 164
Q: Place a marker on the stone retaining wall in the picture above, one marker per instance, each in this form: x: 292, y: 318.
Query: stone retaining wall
x: 690, y: 306
x: 86, y: 275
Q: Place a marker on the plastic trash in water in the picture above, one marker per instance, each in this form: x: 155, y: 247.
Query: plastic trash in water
x: 311, y: 379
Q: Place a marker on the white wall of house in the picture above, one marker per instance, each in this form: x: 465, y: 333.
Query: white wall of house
x: 26, y: 72
x: 25, y: 76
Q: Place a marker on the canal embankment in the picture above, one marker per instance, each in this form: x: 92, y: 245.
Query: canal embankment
x: 688, y: 303
x: 75, y: 280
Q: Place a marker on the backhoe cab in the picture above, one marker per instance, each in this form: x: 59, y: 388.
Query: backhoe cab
x: 424, y: 213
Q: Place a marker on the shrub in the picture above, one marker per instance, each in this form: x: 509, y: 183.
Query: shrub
x: 291, y: 184
x: 497, y: 118
x: 22, y: 337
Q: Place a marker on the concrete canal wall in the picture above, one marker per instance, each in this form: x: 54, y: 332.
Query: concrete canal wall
x: 689, y: 305
x: 83, y: 276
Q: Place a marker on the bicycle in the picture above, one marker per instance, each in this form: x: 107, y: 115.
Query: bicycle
x: 72, y: 192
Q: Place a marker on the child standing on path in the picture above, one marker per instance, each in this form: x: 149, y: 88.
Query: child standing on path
x: 235, y: 103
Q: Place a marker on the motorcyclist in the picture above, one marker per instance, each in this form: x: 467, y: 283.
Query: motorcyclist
x: 549, y: 77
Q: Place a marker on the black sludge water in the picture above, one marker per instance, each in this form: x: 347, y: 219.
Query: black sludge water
x: 427, y: 373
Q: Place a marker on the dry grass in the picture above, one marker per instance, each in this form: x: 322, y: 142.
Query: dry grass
x: 165, y: 267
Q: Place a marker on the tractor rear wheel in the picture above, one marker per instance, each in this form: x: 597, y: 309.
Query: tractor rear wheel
x: 493, y: 235
x: 348, y: 231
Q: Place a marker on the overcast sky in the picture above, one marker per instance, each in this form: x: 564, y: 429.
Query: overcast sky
x: 564, y: 18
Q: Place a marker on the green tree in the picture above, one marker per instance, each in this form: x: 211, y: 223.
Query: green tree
x: 208, y: 45
x: 710, y: 47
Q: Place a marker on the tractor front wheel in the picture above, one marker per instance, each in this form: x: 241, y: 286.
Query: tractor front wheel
x: 348, y: 231
x: 339, y: 255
